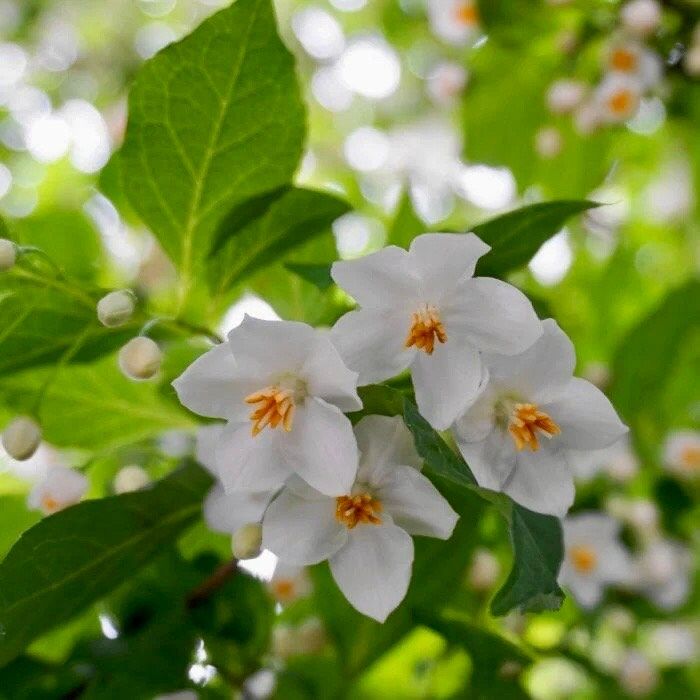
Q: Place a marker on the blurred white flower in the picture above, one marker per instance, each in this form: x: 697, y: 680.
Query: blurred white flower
x: 523, y: 399
x: 484, y: 570
x: 454, y: 21
x: 588, y: 116
x: 618, y: 461
x: 637, y: 675
x: 131, y: 478
x: 318, y: 32
x: 61, y: 488
x: 565, y: 95
x: 370, y: 67
x: 289, y: 583
x: 594, y: 557
x: 663, y: 572
x: 670, y: 196
x: 671, y: 643
x: 641, y: 17
x: 636, y: 61
x: 691, y: 61
x: 446, y: 82
x: 681, y: 453
x: 618, y: 97
x: 548, y: 142
x: 8, y: 254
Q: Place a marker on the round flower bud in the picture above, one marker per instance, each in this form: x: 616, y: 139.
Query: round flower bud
x: 637, y: 676
x: 115, y: 308
x: 311, y: 636
x: 8, y: 254
x: 641, y: 17
x: 284, y: 641
x: 548, y: 142
x: 691, y: 62
x: 484, y: 571
x: 246, y: 541
x: 131, y: 478
x: 565, y: 95
x: 140, y: 358
x: 21, y: 438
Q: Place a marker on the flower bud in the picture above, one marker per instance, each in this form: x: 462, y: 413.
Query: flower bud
x: 641, y: 17
x: 8, y: 254
x: 284, y: 641
x: 246, y: 541
x: 548, y: 142
x: 131, y: 478
x: 311, y: 636
x: 115, y: 308
x: 21, y: 438
x: 638, y: 677
x: 565, y: 95
x: 484, y: 571
x: 140, y: 358
x: 691, y: 61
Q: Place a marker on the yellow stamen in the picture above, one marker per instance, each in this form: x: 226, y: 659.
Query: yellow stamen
x: 584, y: 559
x: 283, y: 590
x: 690, y: 458
x: 275, y: 407
x: 624, y: 60
x: 362, y: 508
x: 525, y: 421
x: 426, y: 326
x: 50, y: 504
x: 467, y: 14
x: 621, y: 102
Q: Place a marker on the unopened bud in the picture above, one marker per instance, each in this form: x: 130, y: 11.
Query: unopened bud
x: 565, y: 95
x: 620, y: 620
x: 484, y: 570
x: 548, y: 142
x: 246, y: 541
x: 21, y: 438
x: 140, y: 358
x: 115, y: 308
x: 284, y: 641
x: 8, y: 254
x: 131, y: 478
x: 637, y: 676
x: 691, y: 62
x: 641, y: 17
x: 311, y: 636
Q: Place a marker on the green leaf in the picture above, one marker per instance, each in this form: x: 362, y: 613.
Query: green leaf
x: 406, y: 224
x: 538, y: 551
x: 517, y: 235
x: 214, y: 120
x: 73, y: 558
x: 94, y: 406
x: 263, y: 231
x: 319, y: 274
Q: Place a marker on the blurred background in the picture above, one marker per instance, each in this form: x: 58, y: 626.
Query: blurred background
x: 428, y: 116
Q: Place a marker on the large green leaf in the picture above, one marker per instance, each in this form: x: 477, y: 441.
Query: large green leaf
x: 517, y: 235
x: 262, y: 231
x: 71, y: 559
x: 214, y: 120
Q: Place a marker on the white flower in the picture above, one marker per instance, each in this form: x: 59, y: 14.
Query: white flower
x: 445, y: 82
x: 588, y: 117
x: 8, y: 254
x: 454, y: 21
x: 632, y: 59
x: 131, y: 478
x: 548, y: 142
x: 618, y: 97
x: 364, y: 534
x: 637, y: 676
x: 21, y: 438
x: 62, y: 487
x: 116, y: 308
x: 641, y: 17
x: 565, y: 95
x: 682, y: 453
x: 663, y: 573
x: 671, y: 643
x: 289, y: 583
x: 484, y: 570
x: 691, y: 62
x: 593, y: 557
x: 423, y: 309
x: 282, y: 387
x: 617, y: 461
x: 531, y: 412
x: 140, y: 358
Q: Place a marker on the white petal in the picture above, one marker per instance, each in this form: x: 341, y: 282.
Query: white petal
x: 493, y: 315
x: 372, y: 342
x: 586, y: 417
x: 542, y: 481
x: 265, y: 348
x: 378, y: 280
x: 226, y: 512
x: 480, y: 418
x: 373, y: 569
x: 416, y: 505
x: 213, y: 386
x: 615, y: 565
x: 543, y: 370
x: 302, y: 531
x: 248, y: 463
x: 491, y: 460
x: 446, y: 382
x: 321, y: 448
x: 207, y: 441
x: 587, y: 590
x: 442, y: 260
x: 328, y: 377
x: 384, y: 443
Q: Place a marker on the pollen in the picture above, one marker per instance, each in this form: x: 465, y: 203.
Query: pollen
x: 426, y: 327
x: 361, y: 508
x: 275, y: 406
x: 50, y: 504
x: 690, y: 458
x: 526, y: 421
x: 621, y: 102
x: 583, y: 558
x: 284, y: 590
x: 467, y: 14
x: 624, y: 60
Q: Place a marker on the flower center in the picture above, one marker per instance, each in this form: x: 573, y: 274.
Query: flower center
x: 525, y: 421
x: 623, y: 60
x: 361, y: 508
x: 275, y: 406
x: 466, y: 14
x: 621, y: 102
x: 690, y: 458
x: 283, y: 589
x: 583, y: 558
x: 426, y: 326
x: 50, y: 504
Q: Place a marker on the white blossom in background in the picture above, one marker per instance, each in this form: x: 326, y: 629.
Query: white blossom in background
x: 61, y: 487
x: 641, y: 514
x: 634, y: 60
x: 366, y: 533
x: 454, y: 21
x: 681, y: 453
x: 663, y: 573
x: 529, y: 414
x: 637, y: 675
x: 641, y: 17
x: 548, y: 142
x: 484, y: 570
x: 618, y: 97
x: 594, y: 557
x: 445, y: 83
x: 617, y: 461
x: 282, y: 387
x: 131, y: 478
x: 565, y: 95
x: 422, y: 309
x: 671, y: 643
x: 289, y: 583
x: 8, y: 254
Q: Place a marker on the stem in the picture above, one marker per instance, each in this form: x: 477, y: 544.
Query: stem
x: 211, y: 585
x: 184, y: 326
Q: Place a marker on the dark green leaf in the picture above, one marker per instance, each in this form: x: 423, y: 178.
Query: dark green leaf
x: 73, y: 558
x: 319, y: 274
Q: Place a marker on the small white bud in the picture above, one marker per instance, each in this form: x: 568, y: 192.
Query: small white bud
x: 637, y: 676
x: 284, y: 641
x: 131, y: 478
x: 116, y: 308
x: 620, y: 620
x: 565, y: 95
x: 641, y: 17
x: 140, y: 358
x: 311, y: 636
x: 246, y: 541
x: 8, y: 254
x: 484, y: 570
x: 21, y: 438
x: 548, y: 142
x: 587, y: 118
x: 691, y: 61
